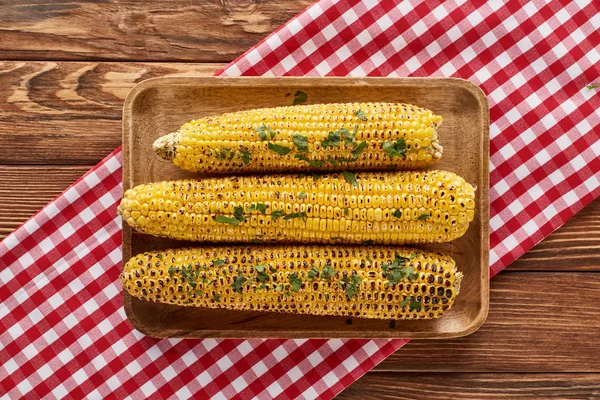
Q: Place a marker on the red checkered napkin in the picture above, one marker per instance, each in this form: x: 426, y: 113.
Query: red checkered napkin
x: 63, y: 329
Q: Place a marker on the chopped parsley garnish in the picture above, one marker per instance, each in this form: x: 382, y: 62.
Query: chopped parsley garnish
x: 288, y: 94
x: 398, y: 270
x: 361, y: 114
x: 351, y: 285
x: 159, y: 256
x: 238, y: 213
x: 238, y: 282
x: 316, y: 176
x: 592, y: 86
x: 227, y: 220
x: 332, y: 161
x: 370, y: 241
x: 359, y: 149
x: 346, y: 211
x: 397, y: 213
x: 218, y: 262
x: 301, y: 143
x: 302, y: 195
x: 415, y: 306
x: 265, y: 132
x: 272, y: 270
x: 406, y: 300
x: 350, y: 178
x: 279, y: 288
x: 172, y: 271
x: 423, y: 217
x: 245, y: 155
x: 190, y: 275
x: 369, y: 260
x: 348, y: 136
x: 328, y: 272
x: 262, y: 276
x: 397, y: 149
x: 217, y: 298
x: 413, y: 255
x: 300, y: 97
x: 262, y: 208
x: 225, y: 154
x: 332, y: 140
x: 301, y: 214
x: 326, y: 296
x: 276, y: 214
x: 281, y: 150
x: 295, y: 282
x: 312, y: 273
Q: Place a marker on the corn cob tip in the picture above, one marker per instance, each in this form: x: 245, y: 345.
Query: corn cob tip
x: 458, y: 279
x: 166, y: 146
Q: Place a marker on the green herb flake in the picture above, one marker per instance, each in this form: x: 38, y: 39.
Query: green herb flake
x: 273, y: 270
x: 593, y: 86
x: 332, y: 140
x: 398, y: 270
x: 227, y: 220
x: 361, y: 114
x: 279, y: 288
x: 159, y: 256
x: 346, y: 211
x: 397, y: 213
x: 277, y: 214
x: 312, y: 273
x: 295, y: 282
x: 406, y: 300
x: 423, y: 217
x: 288, y: 94
x: 217, y: 298
x: 316, y: 177
x: 281, y: 150
x: 262, y: 208
x: 326, y: 296
x: 238, y: 283
x: 358, y: 150
x: 301, y: 143
x: 301, y: 214
x: 351, y: 285
x: 350, y: 178
x: 368, y: 242
x: 264, y: 132
x: 300, y: 97
x: 369, y: 260
x: 302, y: 195
x: 245, y: 156
x: 172, y: 271
x: 218, y: 262
x: 397, y: 149
x: 328, y: 272
x: 332, y: 161
x: 413, y: 256
x: 348, y: 136
x: 238, y: 213
x: 415, y: 306
x: 262, y: 276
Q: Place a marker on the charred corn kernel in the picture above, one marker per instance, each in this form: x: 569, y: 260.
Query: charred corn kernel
x: 358, y: 136
x: 365, y: 282
x: 218, y: 210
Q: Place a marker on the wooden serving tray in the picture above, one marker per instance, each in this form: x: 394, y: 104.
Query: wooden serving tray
x: 158, y: 106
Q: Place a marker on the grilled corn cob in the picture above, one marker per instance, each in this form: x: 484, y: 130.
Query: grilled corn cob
x: 372, y: 207
x: 360, y: 136
x: 366, y: 282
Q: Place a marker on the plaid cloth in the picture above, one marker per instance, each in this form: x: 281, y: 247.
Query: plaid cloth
x: 64, y: 332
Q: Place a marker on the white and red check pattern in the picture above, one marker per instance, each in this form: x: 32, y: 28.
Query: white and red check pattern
x: 63, y: 329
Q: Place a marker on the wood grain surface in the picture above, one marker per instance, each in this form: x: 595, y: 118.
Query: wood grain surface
x: 74, y: 108
x: 473, y: 386
x: 166, y: 30
x: 60, y: 118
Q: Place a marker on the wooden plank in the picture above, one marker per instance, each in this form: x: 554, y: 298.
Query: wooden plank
x: 26, y: 189
x: 574, y: 246
x: 444, y: 386
x: 70, y: 113
x: 538, y: 322
x: 169, y: 30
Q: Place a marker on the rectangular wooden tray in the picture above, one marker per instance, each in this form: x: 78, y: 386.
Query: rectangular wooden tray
x: 159, y: 106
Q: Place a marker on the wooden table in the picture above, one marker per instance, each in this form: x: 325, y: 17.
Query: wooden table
x: 68, y: 68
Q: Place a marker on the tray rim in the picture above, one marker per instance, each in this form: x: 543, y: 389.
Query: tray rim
x: 300, y: 82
